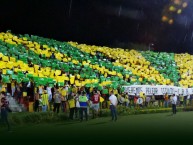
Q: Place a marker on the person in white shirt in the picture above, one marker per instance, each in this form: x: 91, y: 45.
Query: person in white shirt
x: 174, y: 102
x: 113, y: 104
x: 50, y: 100
x: 40, y: 90
x: 49, y: 90
x: 77, y: 105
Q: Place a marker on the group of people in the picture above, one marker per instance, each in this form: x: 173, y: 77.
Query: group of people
x: 57, y: 98
x: 142, y: 100
x: 79, y: 103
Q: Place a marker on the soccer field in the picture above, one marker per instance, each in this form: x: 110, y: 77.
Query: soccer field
x: 160, y: 128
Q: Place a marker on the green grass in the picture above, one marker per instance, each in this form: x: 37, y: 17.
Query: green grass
x: 159, y: 128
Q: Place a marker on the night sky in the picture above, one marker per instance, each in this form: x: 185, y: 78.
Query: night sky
x: 114, y: 23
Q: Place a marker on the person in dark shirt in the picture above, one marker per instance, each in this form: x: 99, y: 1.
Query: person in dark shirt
x: 4, y: 109
x: 19, y: 92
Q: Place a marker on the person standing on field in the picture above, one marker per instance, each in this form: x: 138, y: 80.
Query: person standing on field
x: 113, y: 104
x: 174, y: 102
x: 95, y: 104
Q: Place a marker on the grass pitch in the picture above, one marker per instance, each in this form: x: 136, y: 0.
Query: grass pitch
x: 160, y: 128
